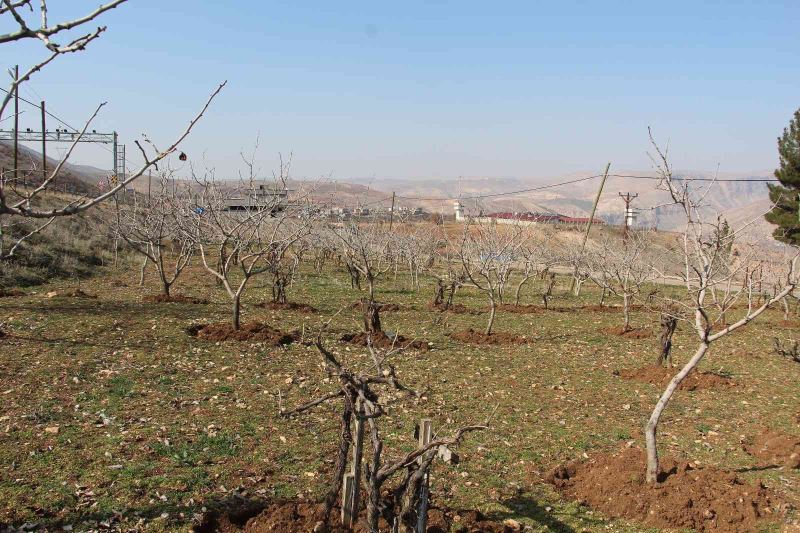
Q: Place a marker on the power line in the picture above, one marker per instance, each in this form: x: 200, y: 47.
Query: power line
x: 64, y: 123
x: 727, y: 180
x: 494, y: 195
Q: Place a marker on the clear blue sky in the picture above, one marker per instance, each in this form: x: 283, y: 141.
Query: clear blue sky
x: 438, y: 88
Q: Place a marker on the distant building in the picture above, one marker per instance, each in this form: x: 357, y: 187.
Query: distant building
x: 258, y: 198
x: 542, y: 218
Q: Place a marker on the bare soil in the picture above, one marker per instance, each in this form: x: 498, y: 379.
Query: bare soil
x: 288, y: 306
x: 173, y: 298
x: 382, y: 340
x: 521, y: 308
x: 661, y: 376
x: 775, y: 449
x: 253, y: 331
x: 472, y: 336
x: 686, y: 496
x: 11, y: 293
x: 631, y: 333
x: 305, y: 516
x: 458, y: 309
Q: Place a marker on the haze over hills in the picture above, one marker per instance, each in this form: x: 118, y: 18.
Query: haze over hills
x: 740, y: 202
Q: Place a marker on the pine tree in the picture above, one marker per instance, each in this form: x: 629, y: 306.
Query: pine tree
x: 786, y: 212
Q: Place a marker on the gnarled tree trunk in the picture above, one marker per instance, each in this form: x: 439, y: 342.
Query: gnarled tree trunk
x: 668, y: 325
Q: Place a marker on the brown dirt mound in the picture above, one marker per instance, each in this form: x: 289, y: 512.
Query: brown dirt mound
x: 288, y: 306
x: 521, y: 308
x: 382, y: 340
x: 173, y: 298
x: 253, y: 331
x: 775, y: 448
x: 632, y: 333
x: 11, y: 293
x: 659, y: 375
x: 304, y: 516
x: 382, y: 308
x: 472, y: 336
x: 687, y: 496
x: 459, y: 309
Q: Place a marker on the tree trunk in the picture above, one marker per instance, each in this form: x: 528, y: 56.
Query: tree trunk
x: 279, y: 289
x: 372, y: 318
x: 668, y: 325
x: 165, y: 286
x: 142, y: 271
x: 519, y: 289
x: 345, y: 440
x: 626, y: 312
x: 438, y: 298
x: 237, y: 307
x: 451, y: 294
x: 491, y: 317
x: 652, y: 423
x: 578, y: 286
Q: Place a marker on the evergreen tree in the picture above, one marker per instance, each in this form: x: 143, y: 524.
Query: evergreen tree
x: 785, y: 196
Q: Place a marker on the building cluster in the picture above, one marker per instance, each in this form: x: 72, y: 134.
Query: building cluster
x: 346, y: 213
x: 526, y: 218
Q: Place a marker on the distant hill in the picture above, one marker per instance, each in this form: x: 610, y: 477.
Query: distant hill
x: 78, y: 178
x: 739, y: 202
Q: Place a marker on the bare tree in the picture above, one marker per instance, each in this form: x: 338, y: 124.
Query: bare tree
x: 448, y: 271
x: 624, y: 269
x: 704, y: 268
x: 536, y: 257
x: 366, y: 248
x: 150, y: 226
x: 20, y: 201
x: 487, y: 253
x: 241, y: 232
x: 360, y: 400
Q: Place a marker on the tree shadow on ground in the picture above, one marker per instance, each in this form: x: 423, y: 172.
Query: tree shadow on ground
x: 524, y: 506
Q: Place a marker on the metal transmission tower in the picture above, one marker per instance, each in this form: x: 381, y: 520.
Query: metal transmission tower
x: 62, y: 135
x: 630, y: 213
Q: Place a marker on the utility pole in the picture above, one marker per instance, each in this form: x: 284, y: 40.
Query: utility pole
x: 591, y: 219
x: 16, y: 123
x: 391, y: 214
x: 44, y: 145
x: 149, y: 182
x: 629, y: 214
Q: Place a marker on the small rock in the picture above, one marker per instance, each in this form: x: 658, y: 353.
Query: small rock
x: 513, y: 525
x: 52, y: 430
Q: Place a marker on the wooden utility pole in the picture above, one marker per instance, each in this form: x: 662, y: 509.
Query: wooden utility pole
x: 16, y: 123
x: 149, y: 182
x: 591, y: 218
x: 44, y: 145
x: 391, y: 214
